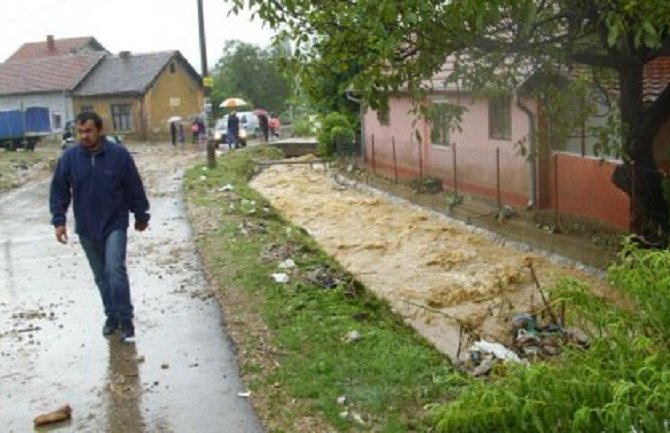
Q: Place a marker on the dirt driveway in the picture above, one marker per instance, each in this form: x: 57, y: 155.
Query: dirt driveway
x: 437, y: 273
x: 180, y: 376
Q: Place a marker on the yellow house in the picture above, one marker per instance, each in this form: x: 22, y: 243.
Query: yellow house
x: 136, y: 94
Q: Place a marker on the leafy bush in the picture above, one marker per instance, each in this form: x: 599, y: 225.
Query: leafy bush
x: 620, y: 384
x: 336, y: 133
x: 303, y: 126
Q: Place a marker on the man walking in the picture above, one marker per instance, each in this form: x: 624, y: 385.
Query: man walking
x: 101, y: 179
x: 233, y: 130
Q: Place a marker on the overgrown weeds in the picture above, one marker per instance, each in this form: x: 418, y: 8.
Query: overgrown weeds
x: 620, y: 384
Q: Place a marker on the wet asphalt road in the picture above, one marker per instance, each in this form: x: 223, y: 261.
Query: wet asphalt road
x: 179, y: 376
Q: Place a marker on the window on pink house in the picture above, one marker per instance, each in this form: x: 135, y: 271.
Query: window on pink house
x: 384, y: 116
x: 500, y: 118
x: 440, y: 124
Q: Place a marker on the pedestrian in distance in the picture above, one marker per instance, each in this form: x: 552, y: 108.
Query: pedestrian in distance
x: 195, y: 130
x: 233, y: 131
x: 274, y: 125
x: 173, y: 133
x: 182, y: 137
x: 101, y: 180
x: 263, y: 125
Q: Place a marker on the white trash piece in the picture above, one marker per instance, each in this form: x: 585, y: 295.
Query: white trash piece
x: 281, y: 278
x: 287, y: 264
x: 226, y: 187
x: 497, y: 349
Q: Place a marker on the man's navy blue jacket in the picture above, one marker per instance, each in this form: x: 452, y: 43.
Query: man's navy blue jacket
x: 103, y: 186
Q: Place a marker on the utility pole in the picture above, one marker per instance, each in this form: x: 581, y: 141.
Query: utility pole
x: 211, y: 154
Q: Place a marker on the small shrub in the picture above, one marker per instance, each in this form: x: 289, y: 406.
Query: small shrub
x: 303, y: 127
x: 335, y: 133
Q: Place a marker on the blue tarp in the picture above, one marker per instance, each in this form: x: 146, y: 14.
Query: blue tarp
x: 37, y: 120
x: 15, y: 123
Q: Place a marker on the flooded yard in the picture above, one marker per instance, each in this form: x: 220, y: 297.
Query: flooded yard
x: 453, y: 283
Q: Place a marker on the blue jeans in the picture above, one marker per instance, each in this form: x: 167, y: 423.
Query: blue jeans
x: 107, y: 258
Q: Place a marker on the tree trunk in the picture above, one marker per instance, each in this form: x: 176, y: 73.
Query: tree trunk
x: 639, y: 176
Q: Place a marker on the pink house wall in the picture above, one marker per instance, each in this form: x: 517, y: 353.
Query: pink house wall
x: 475, y: 151
x: 584, y: 187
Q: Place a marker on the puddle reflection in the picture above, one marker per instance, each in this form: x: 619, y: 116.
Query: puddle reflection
x: 124, y: 389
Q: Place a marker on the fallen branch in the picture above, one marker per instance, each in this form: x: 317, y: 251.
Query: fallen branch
x: 539, y: 289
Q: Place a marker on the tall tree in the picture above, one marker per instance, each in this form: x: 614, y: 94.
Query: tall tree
x: 402, y: 43
x: 252, y: 73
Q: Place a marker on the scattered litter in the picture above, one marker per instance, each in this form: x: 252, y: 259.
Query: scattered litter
x: 496, y: 349
x: 203, y: 178
x: 62, y: 414
x: 344, y: 415
x: 281, y: 278
x: 244, y: 394
x: 578, y: 336
x: 227, y: 187
x: 323, y: 276
x: 165, y: 366
x: 353, y: 336
x: 140, y: 359
x: 342, y: 400
x: 357, y: 418
x: 287, y: 264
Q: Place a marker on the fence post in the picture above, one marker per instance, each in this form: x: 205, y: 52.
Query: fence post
x: 453, y: 150
x: 395, y: 161
x: 374, y: 166
x: 633, y: 213
x: 420, y: 166
x: 556, y: 198
x: 498, y: 194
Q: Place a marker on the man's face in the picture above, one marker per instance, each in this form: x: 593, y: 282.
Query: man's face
x: 89, y: 134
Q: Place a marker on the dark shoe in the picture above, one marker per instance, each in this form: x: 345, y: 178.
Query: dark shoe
x: 110, y: 326
x: 127, y: 331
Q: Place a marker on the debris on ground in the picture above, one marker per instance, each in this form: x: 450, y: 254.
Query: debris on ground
x: 287, y: 264
x: 279, y: 252
x: 323, y: 276
x: 353, y: 337
x: 281, y: 278
x: 227, y: 187
x: 62, y: 414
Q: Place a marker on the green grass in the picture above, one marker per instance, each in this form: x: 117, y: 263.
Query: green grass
x: 620, y: 384
x: 15, y: 165
x: 388, y: 376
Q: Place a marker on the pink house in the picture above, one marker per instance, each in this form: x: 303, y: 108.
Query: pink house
x: 482, y: 156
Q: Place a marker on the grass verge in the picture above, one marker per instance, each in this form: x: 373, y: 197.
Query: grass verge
x: 18, y: 166
x: 294, y: 352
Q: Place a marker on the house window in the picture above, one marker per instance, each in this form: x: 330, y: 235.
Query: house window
x: 439, y: 124
x: 384, y: 116
x: 500, y: 120
x: 121, y: 117
x: 86, y: 108
x: 56, y: 121
x: 173, y: 68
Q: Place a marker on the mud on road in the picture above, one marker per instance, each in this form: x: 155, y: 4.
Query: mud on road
x: 180, y: 375
x: 437, y: 273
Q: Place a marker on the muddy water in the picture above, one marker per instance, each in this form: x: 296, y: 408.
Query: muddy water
x: 448, y: 281
x: 179, y: 376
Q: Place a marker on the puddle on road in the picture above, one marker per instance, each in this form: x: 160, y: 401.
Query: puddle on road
x: 435, y: 272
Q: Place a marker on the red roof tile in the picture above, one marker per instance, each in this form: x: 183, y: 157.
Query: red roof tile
x: 656, y: 77
x: 35, y: 50
x: 46, y: 74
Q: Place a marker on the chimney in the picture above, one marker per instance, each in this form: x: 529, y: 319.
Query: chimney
x: 51, y: 44
x: 124, y: 54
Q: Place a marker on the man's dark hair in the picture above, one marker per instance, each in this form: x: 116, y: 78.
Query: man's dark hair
x: 89, y: 115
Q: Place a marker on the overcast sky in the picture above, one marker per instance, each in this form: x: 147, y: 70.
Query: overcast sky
x: 133, y: 25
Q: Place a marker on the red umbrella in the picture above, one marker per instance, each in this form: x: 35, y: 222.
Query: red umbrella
x: 259, y: 111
